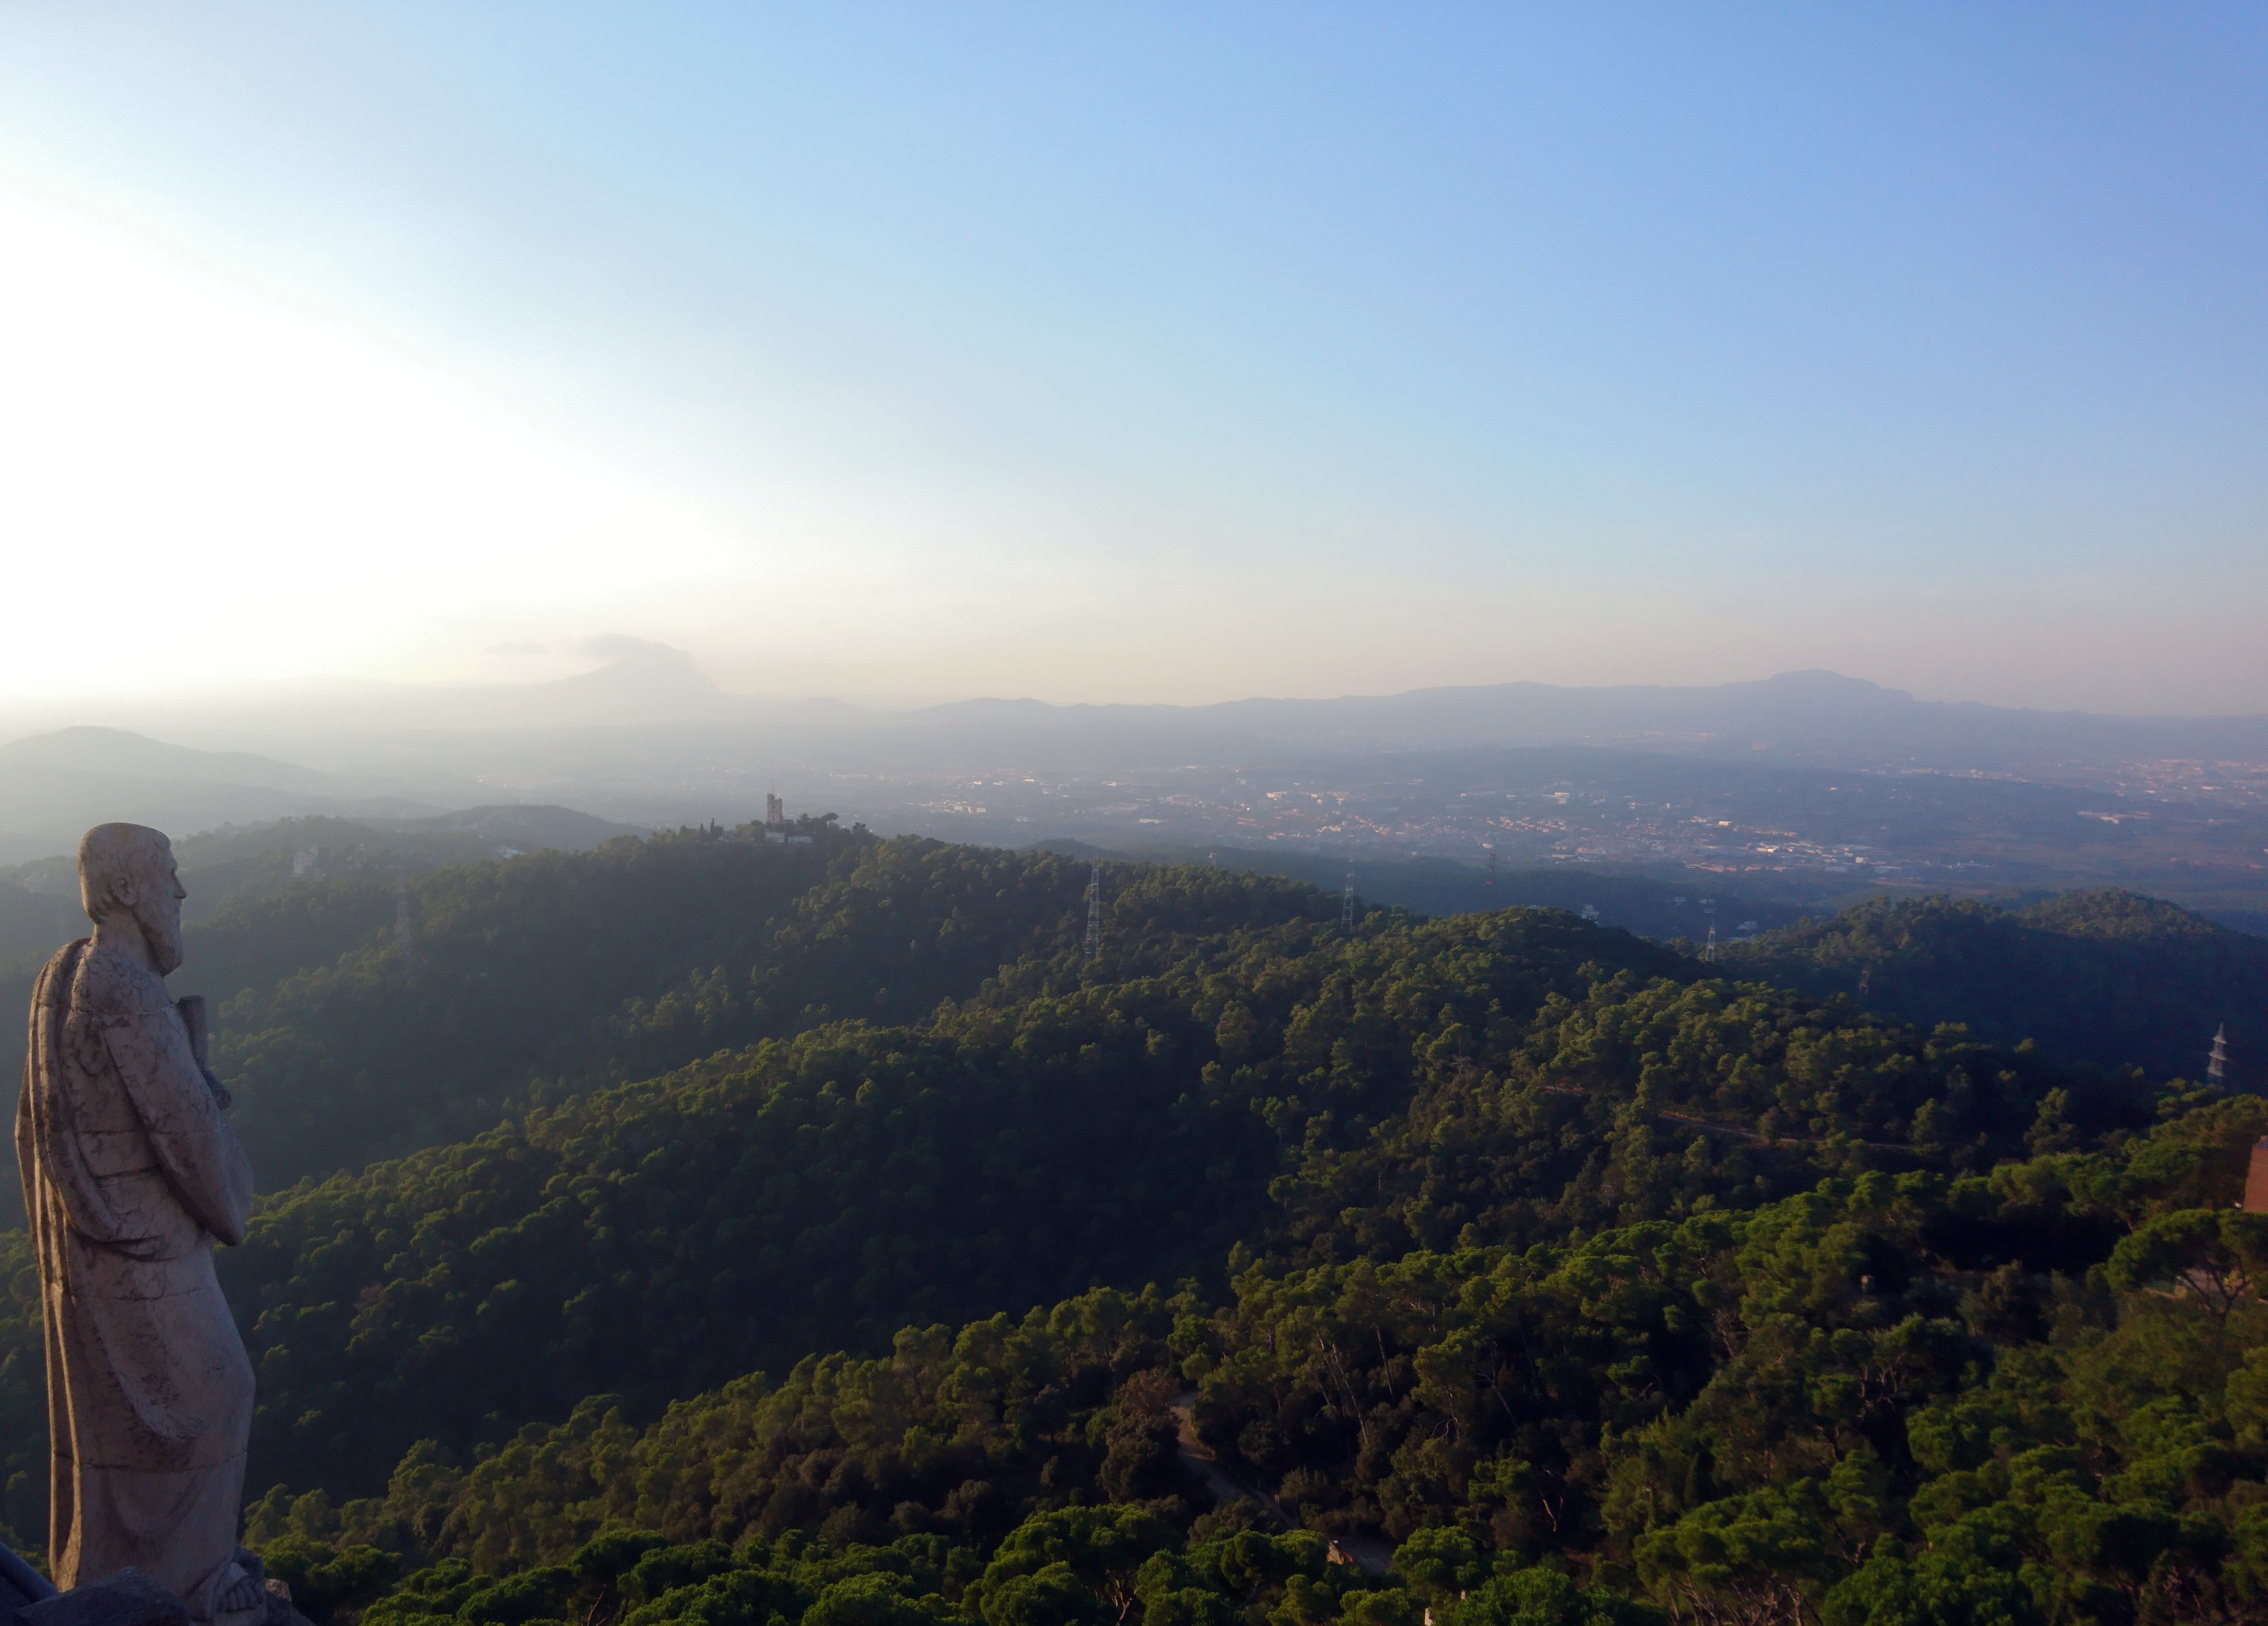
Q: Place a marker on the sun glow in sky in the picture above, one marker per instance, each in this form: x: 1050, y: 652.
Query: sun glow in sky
x: 1162, y: 355
x: 201, y: 481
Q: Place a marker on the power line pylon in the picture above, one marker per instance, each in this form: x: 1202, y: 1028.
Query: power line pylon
x: 1346, y: 904
x: 2216, y: 1065
x: 1095, y: 910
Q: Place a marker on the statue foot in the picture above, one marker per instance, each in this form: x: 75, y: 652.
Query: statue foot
x: 246, y: 1594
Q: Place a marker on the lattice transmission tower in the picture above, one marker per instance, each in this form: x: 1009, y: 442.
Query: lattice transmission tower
x: 2216, y: 1065
x: 1346, y: 904
x: 1095, y: 910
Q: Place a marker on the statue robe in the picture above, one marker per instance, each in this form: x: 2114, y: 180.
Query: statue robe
x: 129, y: 1175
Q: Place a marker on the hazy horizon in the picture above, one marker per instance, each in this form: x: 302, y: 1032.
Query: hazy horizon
x: 1167, y: 357
x: 231, y: 698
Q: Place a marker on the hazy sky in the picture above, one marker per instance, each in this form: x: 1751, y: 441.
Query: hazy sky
x: 1139, y: 352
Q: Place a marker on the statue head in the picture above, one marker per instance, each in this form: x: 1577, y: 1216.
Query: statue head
x: 127, y: 876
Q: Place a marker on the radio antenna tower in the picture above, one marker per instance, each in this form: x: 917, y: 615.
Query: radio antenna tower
x: 1710, y: 952
x: 2216, y: 1065
x: 1346, y: 904
x: 1095, y: 910
x: 1490, y: 848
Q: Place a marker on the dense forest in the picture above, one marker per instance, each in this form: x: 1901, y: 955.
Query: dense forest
x: 359, y: 1018
x: 2098, y: 980
x: 709, y: 1229
x: 2035, y: 1393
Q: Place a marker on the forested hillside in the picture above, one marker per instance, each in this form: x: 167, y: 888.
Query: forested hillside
x: 2098, y: 980
x: 360, y: 1015
x: 554, y: 973
x: 1074, y: 1125
x: 357, y: 1019
x: 930, y: 1270
x: 2035, y: 1393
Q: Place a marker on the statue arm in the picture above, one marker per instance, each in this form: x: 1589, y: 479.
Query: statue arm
x: 203, y: 1161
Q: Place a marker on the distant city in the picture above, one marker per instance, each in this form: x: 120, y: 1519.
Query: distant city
x: 2191, y: 830
x: 1802, y: 790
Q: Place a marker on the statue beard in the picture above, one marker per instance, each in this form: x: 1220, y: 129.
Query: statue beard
x: 164, y: 938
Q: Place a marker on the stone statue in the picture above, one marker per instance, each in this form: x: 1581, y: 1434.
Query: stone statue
x: 130, y: 1175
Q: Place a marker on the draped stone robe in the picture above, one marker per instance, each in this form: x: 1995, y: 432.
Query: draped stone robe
x: 129, y: 1176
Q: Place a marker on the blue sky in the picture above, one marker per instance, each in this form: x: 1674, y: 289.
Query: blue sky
x: 1166, y: 352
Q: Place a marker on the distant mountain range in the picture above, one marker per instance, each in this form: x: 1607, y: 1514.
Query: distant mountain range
x: 54, y: 786
x: 650, y: 735
x: 1816, y: 715
x: 612, y: 712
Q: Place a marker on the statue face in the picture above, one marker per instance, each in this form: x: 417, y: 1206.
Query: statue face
x: 156, y: 905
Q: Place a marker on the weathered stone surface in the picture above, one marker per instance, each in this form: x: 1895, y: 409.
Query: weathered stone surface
x: 130, y: 1178
x: 275, y: 1596
x: 128, y: 1597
